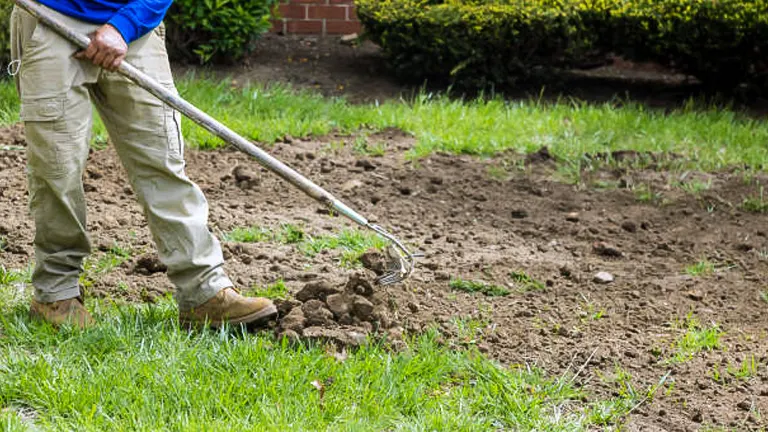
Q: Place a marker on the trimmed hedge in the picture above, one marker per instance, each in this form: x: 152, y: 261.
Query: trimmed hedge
x: 475, y: 43
x: 722, y: 42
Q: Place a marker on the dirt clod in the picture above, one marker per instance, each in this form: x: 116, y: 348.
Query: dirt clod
x: 317, y: 314
x: 319, y: 290
x: 245, y: 178
x: 149, y: 264
x: 606, y: 250
x: 362, y: 307
x: 374, y: 261
x: 358, y: 284
x: 338, y: 304
x: 294, y: 320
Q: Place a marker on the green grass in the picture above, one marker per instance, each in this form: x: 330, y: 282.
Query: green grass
x: 697, y: 338
x: 526, y: 282
x: 695, y: 187
x: 276, y: 290
x: 287, y: 234
x: 469, y: 286
x: 352, y: 242
x: 10, y: 277
x: 137, y: 370
x: 103, y: 262
x: 758, y: 204
x: 645, y: 193
x: 702, y: 267
x: 709, y: 138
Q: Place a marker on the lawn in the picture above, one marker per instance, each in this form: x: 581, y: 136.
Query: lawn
x: 137, y: 370
x: 706, y: 137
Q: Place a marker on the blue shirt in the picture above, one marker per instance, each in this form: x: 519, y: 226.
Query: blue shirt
x: 132, y: 18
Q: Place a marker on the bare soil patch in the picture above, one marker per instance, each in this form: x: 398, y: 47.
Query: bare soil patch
x: 480, y: 221
x: 360, y: 73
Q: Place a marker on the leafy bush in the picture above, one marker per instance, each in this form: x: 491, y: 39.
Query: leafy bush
x: 5, y: 36
x: 723, y: 43
x: 475, y: 43
x: 480, y: 42
x: 216, y: 30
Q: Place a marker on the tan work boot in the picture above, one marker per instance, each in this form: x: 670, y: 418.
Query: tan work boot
x: 229, y: 306
x: 70, y: 311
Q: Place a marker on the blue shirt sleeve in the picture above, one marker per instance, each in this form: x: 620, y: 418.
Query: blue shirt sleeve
x: 139, y: 17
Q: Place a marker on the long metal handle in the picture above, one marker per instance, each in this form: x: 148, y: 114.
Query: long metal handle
x: 201, y: 118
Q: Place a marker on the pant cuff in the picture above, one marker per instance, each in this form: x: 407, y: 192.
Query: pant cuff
x: 50, y: 297
x: 206, y: 291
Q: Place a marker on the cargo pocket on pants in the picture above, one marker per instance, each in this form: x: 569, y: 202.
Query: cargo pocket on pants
x: 49, y: 147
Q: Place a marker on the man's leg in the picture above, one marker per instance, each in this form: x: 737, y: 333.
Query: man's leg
x: 147, y: 136
x: 56, y: 111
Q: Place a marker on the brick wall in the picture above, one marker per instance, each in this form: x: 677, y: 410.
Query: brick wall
x: 320, y: 17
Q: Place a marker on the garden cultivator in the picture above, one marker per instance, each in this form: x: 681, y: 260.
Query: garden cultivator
x: 401, y: 261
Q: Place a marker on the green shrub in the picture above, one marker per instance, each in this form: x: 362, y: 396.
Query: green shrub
x: 5, y: 36
x: 723, y: 43
x: 216, y: 30
x: 476, y: 43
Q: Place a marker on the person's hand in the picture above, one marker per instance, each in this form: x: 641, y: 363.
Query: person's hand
x: 107, y: 48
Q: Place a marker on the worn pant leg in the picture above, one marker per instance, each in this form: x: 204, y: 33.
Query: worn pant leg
x: 147, y: 136
x: 56, y: 112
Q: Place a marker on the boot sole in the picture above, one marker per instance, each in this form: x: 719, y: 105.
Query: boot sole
x: 254, y: 318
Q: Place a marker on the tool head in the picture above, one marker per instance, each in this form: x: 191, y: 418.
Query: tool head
x: 400, y: 262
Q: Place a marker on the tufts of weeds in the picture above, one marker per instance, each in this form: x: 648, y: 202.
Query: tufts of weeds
x: 291, y: 234
x: 363, y: 146
x: 287, y: 234
x: 10, y: 277
x: 702, y: 267
x: 757, y: 204
x: 497, y: 172
x: 248, y: 235
x: 645, y: 193
x: 490, y: 290
x: 695, y: 187
x: 763, y: 296
x: 353, y: 244
x: 697, y: 338
x: 276, y: 290
x: 526, y: 282
x: 745, y: 370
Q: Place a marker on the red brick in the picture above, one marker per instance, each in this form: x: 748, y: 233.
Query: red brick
x: 313, y: 2
x: 344, y: 2
x: 277, y: 26
x: 352, y: 14
x: 327, y: 12
x: 293, y: 11
x: 342, y: 27
x: 304, y: 27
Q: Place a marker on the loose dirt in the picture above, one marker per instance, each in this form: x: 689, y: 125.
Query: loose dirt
x: 480, y: 220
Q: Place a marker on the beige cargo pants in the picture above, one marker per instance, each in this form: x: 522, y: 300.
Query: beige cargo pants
x: 56, y: 93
